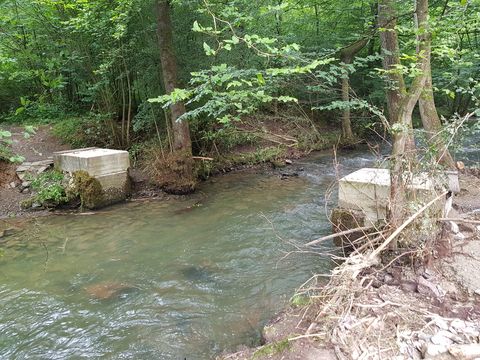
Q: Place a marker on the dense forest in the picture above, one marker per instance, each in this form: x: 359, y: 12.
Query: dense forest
x: 171, y: 79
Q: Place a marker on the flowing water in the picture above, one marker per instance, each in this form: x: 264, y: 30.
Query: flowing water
x: 171, y: 279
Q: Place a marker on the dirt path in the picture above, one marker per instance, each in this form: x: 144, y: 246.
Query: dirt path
x: 39, y: 146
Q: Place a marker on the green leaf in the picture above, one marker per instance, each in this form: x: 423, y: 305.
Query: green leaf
x: 196, y: 27
x: 16, y: 159
x: 208, y: 50
x: 5, y: 134
x: 260, y: 79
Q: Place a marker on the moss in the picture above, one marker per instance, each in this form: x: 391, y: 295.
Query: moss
x: 88, y: 189
x: 300, y: 300
x: 271, y: 349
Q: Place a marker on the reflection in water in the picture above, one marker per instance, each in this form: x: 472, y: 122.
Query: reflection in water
x: 164, y: 279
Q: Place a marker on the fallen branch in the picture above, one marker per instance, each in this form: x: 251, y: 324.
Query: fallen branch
x: 342, y: 233
x: 202, y: 158
x: 460, y: 220
x: 387, y: 242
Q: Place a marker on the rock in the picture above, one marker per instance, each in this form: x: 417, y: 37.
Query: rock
x: 288, y: 162
x: 440, y: 323
x: 6, y: 232
x: 446, y: 337
x: 26, y: 191
x: 388, y: 279
x: 26, y: 184
x: 408, y: 286
x: 432, y: 350
x: 107, y: 290
x: 465, y: 352
x: 458, y: 325
x: 460, y: 165
x: 454, y: 227
x: 426, y: 287
x: 36, y: 205
x: 13, y: 185
x: 441, y: 339
x: 459, y: 237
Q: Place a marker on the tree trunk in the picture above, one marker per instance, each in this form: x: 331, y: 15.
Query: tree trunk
x: 347, y: 133
x: 181, y: 132
x: 402, y: 102
x: 175, y: 173
x: 395, y: 84
x: 430, y: 120
x: 395, y: 87
x: 346, y: 56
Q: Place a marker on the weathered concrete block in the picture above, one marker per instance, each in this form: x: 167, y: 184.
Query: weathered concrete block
x: 108, y: 167
x: 368, y: 190
x: 95, y: 161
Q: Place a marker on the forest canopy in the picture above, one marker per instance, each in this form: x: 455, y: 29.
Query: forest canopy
x: 106, y: 65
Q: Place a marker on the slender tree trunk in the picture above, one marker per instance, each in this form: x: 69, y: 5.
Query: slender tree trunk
x: 346, y: 56
x: 395, y: 88
x: 347, y: 133
x: 430, y: 119
x: 181, y: 132
x: 400, y: 101
x: 395, y: 85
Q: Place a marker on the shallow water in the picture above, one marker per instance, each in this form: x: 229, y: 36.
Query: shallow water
x: 201, y: 275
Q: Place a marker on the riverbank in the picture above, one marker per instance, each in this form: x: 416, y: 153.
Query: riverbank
x: 270, y: 152
x: 390, y: 306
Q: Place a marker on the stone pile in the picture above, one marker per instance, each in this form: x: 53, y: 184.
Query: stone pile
x: 442, y: 339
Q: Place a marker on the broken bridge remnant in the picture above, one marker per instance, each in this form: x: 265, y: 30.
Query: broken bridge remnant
x: 107, y: 166
x: 364, y: 197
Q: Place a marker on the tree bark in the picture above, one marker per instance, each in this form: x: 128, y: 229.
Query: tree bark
x: 181, y: 132
x: 395, y: 88
x: 347, y: 54
x: 430, y: 119
x: 403, y: 101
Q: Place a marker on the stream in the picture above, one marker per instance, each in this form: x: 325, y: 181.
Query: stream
x: 178, y: 279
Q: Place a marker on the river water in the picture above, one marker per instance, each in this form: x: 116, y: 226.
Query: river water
x: 201, y: 274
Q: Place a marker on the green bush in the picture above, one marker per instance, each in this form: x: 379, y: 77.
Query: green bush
x: 91, y: 130
x: 6, y: 153
x: 34, y: 112
x: 50, y: 189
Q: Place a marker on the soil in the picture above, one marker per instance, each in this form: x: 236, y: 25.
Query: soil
x: 39, y: 146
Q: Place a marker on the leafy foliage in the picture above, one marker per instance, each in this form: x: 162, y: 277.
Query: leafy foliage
x: 50, y: 188
x: 92, y: 66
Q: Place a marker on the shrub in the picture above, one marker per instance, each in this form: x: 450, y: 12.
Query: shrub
x: 50, y: 189
x: 86, y: 131
x: 5, y: 151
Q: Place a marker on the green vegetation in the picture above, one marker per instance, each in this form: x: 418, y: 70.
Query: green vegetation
x: 49, y: 190
x: 212, y: 78
x: 272, y: 349
x: 300, y: 300
x: 87, y: 188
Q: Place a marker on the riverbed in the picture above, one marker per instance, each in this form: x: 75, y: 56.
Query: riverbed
x: 191, y: 277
